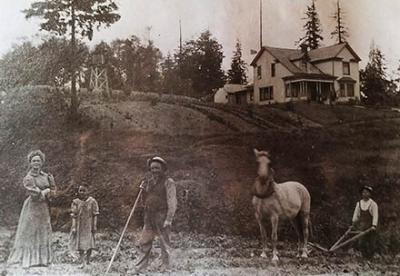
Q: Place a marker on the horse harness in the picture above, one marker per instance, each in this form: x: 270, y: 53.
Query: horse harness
x: 267, y: 194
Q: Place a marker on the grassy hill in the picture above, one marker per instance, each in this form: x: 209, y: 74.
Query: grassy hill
x: 332, y: 150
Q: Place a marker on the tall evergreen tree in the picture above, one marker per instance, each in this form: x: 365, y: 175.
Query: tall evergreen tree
x: 237, y: 73
x: 340, y: 31
x: 373, y: 79
x: 312, y: 27
x: 71, y: 18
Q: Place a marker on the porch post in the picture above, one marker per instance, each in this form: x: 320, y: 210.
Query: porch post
x: 306, y: 90
x: 320, y: 91
x: 301, y: 89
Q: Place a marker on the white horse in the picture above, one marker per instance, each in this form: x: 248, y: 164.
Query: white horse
x: 288, y: 200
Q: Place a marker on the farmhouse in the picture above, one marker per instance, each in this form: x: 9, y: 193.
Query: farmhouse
x: 323, y: 75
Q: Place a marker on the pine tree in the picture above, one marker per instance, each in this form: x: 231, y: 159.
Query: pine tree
x: 237, y: 73
x: 71, y: 18
x: 312, y: 27
x: 340, y: 31
x: 373, y: 79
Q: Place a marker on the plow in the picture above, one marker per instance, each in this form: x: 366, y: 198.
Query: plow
x: 348, y: 237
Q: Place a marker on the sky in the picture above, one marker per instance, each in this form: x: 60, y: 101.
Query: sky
x: 229, y: 21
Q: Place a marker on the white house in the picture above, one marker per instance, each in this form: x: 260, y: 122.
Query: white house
x: 322, y: 75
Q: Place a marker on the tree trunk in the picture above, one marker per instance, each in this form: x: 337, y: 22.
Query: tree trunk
x: 74, y: 95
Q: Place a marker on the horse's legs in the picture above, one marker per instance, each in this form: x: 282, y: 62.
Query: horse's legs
x: 297, y: 225
x: 263, y: 233
x: 274, y: 236
x: 305, y: 217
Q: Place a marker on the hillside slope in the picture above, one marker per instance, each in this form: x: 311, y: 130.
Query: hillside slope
x: 332, y: 150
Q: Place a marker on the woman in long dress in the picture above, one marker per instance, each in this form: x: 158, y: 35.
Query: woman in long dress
x: 32, y: 246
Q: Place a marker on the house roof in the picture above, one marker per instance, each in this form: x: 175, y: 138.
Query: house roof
x: 288, y: 56
x: 284, y: 56
x: 234, y: 88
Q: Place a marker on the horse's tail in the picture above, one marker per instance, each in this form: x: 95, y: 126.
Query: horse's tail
x: 310, y: 229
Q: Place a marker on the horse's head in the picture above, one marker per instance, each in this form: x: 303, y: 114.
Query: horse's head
x: 264, y: 169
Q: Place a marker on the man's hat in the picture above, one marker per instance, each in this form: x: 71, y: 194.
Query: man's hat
x: 159, y: 160
x: 368, y: 188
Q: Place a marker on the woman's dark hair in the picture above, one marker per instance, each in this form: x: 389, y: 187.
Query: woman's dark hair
x: 36, y: 153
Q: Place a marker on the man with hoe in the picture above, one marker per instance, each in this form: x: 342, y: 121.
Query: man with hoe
x: 160, y: 203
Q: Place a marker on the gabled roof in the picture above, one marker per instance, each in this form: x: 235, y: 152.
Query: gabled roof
x: 234, y: 88
x: 288, y: 56
x: 331, y: 52
x: 284, y: 56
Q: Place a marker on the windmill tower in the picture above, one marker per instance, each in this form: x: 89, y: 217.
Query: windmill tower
x: 98, y: 76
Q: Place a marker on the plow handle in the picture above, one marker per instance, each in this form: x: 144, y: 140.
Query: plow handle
x: 341, y: 238
x: 333, y: 248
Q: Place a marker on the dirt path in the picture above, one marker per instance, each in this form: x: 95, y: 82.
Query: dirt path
x: 201, y: 255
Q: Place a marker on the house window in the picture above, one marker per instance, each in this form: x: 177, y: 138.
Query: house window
x: 287, y: 90
x: 238, y: 99
x: 346, y: 68
x: 350, y: 90
x: 266, y: 93
x: 295, y: 89
x: 342, y: 92
x: 259, y: 72
x: 273, y: 70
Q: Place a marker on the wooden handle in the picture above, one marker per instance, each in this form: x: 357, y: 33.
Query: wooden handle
x: 123, y: 231
x: 351, y: 239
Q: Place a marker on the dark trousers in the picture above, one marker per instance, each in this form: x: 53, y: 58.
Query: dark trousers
x: 153, y: 227
x: 368, y: 245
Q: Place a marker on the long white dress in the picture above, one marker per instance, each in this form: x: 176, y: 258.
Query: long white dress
x: 32, y: 246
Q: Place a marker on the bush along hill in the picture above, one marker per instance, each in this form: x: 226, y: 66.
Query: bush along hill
x: 333, y: 151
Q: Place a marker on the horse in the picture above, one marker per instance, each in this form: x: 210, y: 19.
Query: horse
x: 273, y: 201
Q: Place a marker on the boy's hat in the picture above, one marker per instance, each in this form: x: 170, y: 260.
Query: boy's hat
x: 368, y: 188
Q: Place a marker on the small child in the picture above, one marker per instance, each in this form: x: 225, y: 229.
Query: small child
x: 84, y: 212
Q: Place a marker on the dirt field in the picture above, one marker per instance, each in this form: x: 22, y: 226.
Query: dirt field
x: 201, y: 255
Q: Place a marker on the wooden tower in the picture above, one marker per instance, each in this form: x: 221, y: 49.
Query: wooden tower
x: 98, y: 76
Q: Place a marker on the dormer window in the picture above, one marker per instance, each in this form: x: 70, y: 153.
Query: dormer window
x: 346, y: 68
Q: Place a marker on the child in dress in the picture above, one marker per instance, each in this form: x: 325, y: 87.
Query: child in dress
x: 84, y: 212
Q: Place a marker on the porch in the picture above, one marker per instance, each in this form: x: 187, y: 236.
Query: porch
x: 317, y: 90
